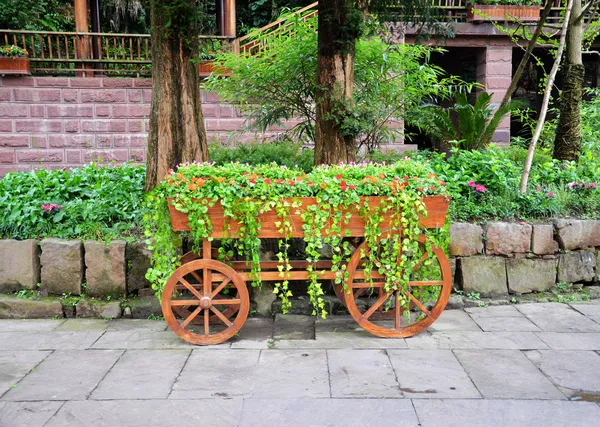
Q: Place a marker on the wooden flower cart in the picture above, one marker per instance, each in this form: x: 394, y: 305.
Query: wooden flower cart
x: 206, y: 301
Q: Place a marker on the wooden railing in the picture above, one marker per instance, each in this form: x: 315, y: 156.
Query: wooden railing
x: 68, y: 53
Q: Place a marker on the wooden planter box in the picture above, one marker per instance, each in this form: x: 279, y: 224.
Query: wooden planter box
x: 437, y: 208
x: 205, y: 68
x: 488, y: 13
x: 14, y: 66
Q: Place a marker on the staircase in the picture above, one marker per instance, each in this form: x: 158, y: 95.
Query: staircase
x: 251, y: 45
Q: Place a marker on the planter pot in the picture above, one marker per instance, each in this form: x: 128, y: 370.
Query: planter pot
x: 488, y: 13
x: 205, y: 68
x: 14, y: 66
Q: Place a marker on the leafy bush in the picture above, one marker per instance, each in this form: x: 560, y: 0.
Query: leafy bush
x: 88, y: 203
x: 279, y: 83
x: 283, y: 153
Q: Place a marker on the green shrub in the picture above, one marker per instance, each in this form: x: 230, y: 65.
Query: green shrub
x: 88, y: 203
x: 283, y: 153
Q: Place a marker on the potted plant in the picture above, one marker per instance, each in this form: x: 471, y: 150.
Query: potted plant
x: 504, y: 10
x: 14, y: 60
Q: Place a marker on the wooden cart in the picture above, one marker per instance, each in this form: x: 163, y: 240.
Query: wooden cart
x: 206, y: 301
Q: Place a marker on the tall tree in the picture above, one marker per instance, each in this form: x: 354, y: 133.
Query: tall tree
x: 177, y: 133
x: 341, y: 22
x: 567, y: 143
x: 339, y: 28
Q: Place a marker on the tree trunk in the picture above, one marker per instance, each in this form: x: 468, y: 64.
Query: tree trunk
x: 335, y: 79
x: 567, y: 144
x: 177, y: 133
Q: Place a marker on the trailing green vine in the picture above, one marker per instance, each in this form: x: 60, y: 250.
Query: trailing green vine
x: 321, y: 206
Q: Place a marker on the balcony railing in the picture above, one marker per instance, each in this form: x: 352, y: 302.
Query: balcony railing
x: 70, y: 53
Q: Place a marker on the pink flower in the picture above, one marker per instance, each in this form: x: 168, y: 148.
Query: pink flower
x: 551, y: 194
x: 538, y: 188
x: 268, y: 181
x: 53, y: 207
x: 572, y: 184
x: 592, y: 185
x: 480, y: 188
x: 472, y: 184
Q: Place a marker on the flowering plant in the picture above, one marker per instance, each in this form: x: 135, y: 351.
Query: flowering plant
x: 580, y: 186
x: 52, y: 208
x: 245, y: 191
x: 13, y: 52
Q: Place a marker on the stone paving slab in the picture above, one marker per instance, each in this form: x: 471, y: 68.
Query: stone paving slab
x: 83, y: 325
x: 142, y: 374
x: 292, y: 374
x: 48, y: 340
x: 494, y: 311
x: 328, y: 413
x: 505, y: 324
x: 590, y: 309
x: 576, y: 373
x: 340, y: 340
x: 216, y: 373
x: 140, y: 340
x: 475, y: 340
x: 136, y: 325
x: 29, y: 325
x: 506, y: 413
x: 566, y: 341
x: 555, y: 317
x: 14, y: 365
x: 362, y: 373
x: 148, y: 413
x: 65, y: 375
x: 506, y: 374
x: 454, y: 320
x: 27, y: 414
x: 427, y: 374
x: 257, y: 333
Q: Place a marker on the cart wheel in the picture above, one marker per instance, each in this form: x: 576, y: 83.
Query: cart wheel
x: 428, y: 293
x: 183, y: 290
x: 184, y: 311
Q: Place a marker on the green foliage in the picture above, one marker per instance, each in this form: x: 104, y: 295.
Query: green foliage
x: 13, y: 52
x: 284, y: 153
x: 391, y: 82
x: 509, y: 2
x: 88, y: 203
x: 471, y: 125
x: 48, y: 15
x: 246, y: 191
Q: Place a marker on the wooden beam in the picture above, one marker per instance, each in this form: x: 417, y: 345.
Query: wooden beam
x: 229, y: 28
x: 82, y: 26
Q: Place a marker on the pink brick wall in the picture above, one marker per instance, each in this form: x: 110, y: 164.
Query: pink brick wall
x: 57, y: 122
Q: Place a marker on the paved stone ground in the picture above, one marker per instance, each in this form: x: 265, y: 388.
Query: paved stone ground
x: 524, y: 365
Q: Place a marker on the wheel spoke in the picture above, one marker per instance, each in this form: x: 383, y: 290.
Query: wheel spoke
x: 220, y: 287
x: 193, y: 273
x: 417, y: 303
x: 221, y: 316
x: 367, y: 285
x: 426, y: 283
x: 207, y: 281
x: 185, y: 302
x: 358, y: 293
x: 376, y: 305
x: 226, y: 302
x: 398, y: 313
x: 190, y: 288
x: 423, y: 258
x: 206, y: 323
x: 191, y: 317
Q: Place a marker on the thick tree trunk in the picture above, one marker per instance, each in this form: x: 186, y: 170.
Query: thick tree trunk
x: 335, y: 80
x: 177, y: 133
x: 567, y: 144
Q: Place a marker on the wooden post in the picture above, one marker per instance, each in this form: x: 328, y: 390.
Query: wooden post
x: 82, y: 41
x: 229, y: 18
x: 96, y: 41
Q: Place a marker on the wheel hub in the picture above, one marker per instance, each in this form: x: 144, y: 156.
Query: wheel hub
x: 205, y: 302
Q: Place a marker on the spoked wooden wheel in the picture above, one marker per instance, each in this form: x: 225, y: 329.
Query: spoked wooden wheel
x: 207, y: 301
x: 184, y: 311
x: 409, y: 311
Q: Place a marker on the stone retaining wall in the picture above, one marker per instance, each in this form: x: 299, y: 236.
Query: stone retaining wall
x: 493, y: 260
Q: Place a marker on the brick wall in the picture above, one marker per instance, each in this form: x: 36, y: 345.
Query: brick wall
x: 61, y: 122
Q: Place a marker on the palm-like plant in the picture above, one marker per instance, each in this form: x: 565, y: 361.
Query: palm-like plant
x: 470, y: 125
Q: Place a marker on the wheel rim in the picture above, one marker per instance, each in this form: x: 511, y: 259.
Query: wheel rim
x: 204, y: 299
x: 398, y: 325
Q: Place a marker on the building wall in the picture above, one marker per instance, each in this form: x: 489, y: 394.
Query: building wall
x: 57, y: 122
